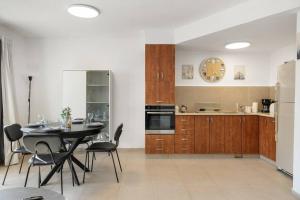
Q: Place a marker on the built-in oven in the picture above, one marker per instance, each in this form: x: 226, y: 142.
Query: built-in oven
x: 160, y: 119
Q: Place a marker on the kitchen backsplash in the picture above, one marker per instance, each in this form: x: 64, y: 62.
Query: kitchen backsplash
x: 227, y: 96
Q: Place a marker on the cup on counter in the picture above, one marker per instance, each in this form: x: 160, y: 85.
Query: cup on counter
x: 248, y: 109
x: 254, y: 107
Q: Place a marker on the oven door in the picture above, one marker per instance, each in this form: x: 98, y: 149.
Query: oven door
x: 160, y: 122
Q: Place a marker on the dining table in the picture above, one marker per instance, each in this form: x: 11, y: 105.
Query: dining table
x: 75, y: 134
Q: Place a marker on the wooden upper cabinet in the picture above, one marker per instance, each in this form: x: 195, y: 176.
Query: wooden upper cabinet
x: 217, y: 134
x: 202, y: 134
x: 250, y: 135
x: 160, y: 73
x: 233, y: 134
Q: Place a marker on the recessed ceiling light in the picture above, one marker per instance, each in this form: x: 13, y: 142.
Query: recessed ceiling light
x: 237, y: 45
x: 83, y: 11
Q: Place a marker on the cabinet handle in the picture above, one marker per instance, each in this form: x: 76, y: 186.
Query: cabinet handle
x: 157, y: 76
x: 184, y: 139
x: 159, y: 139
x: 159, y: 101
x: 162, y: 75
x: 159, y: 149
x: 183, y: 120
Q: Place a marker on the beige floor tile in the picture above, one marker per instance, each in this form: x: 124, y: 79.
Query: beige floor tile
x: 163, y: 177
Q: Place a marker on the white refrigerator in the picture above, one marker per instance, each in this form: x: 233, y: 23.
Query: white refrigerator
x: 285, y: 97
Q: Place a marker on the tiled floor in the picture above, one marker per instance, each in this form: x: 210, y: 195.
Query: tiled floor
x: 178, y: 177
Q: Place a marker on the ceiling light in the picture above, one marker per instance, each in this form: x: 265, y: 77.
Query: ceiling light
x: 237, y: 45
x: 83, y: 11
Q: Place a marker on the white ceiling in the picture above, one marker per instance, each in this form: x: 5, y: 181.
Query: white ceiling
x: 48, y: 18
x: 265, y: 35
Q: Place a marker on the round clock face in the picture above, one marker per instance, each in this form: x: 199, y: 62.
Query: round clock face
x: 212, y: 69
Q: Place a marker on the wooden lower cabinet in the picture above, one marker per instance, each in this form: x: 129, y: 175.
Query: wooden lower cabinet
x: 184, y: 134
x: 202, y: 134
x: 267, y: 143
x: 217, y: 134
x: 250, y: 134
x: 159, y: 144
x: 233, y: 134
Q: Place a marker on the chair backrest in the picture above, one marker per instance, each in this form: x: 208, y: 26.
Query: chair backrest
x: 44, y: 141
x: 118, y: 133
x: 13, y: 132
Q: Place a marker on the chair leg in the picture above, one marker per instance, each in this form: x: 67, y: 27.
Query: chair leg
x: 8, y: 167
x: 92, y: 167
x: 119, y: 159
x: 86, y: 156
x: 61, y: 179
x: 28, y: 170
x: 88, y: 161
x: 39, y: 177
x: 112, y: 157
x: 23, y: 155
x: 94, y: 156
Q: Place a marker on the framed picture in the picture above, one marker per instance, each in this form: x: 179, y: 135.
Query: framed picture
x: 187, y: 72
x: 239, y: 72
x: 298, y: 46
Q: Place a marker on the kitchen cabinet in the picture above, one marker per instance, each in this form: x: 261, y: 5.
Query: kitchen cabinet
x: 159, y: 144
x: 185, y: 134
x: 267, y: 146
x: 217, y: 134
x: 160, y: 73
x: 250, y: 134
x: 233, y: 134
x: 202, y: 134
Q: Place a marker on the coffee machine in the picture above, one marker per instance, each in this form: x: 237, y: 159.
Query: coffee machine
x: 266, y: 105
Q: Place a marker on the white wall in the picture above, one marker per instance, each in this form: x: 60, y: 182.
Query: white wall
x: 278, y: 57
x: 257, y: 68
x: 123, y: 55
x: 296, y: 180
x: 21, y: 71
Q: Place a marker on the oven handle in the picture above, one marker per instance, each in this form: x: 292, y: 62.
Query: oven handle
x: 160, y: 113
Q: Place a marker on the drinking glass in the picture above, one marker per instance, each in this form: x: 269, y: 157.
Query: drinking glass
x: 90, y: 117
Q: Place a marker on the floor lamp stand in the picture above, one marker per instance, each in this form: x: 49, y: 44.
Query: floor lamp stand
x: 29, y: 97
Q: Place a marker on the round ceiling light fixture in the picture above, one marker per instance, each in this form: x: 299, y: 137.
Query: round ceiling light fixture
x: 83, y: 11
x: 237, y: 45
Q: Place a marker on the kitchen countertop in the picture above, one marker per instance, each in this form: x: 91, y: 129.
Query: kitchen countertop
x: 227, y: 113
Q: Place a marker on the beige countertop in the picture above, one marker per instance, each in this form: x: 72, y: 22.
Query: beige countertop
x: 227, y: 113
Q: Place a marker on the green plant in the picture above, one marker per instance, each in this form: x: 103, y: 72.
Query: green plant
x: 66, y: 112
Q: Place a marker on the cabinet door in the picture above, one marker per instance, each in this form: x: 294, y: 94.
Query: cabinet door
x: 184, y: 136
x: 202, y: 134
x: 167, y: 74
x: 271, y: 151
x: 184, y: 143
x: 262, y: 136
x: 250, y: 135
x: 152, y: 54
x: 217, y: 137
x: 233, y: 134
x: 75, y: 98
x: 159, y: 144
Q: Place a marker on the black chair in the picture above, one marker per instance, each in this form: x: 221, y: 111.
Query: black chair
x: 14, y: 134
x: 47, y: 150
x: 107, y: 147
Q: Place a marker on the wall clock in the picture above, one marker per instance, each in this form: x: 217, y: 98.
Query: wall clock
x: 212, y: 69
